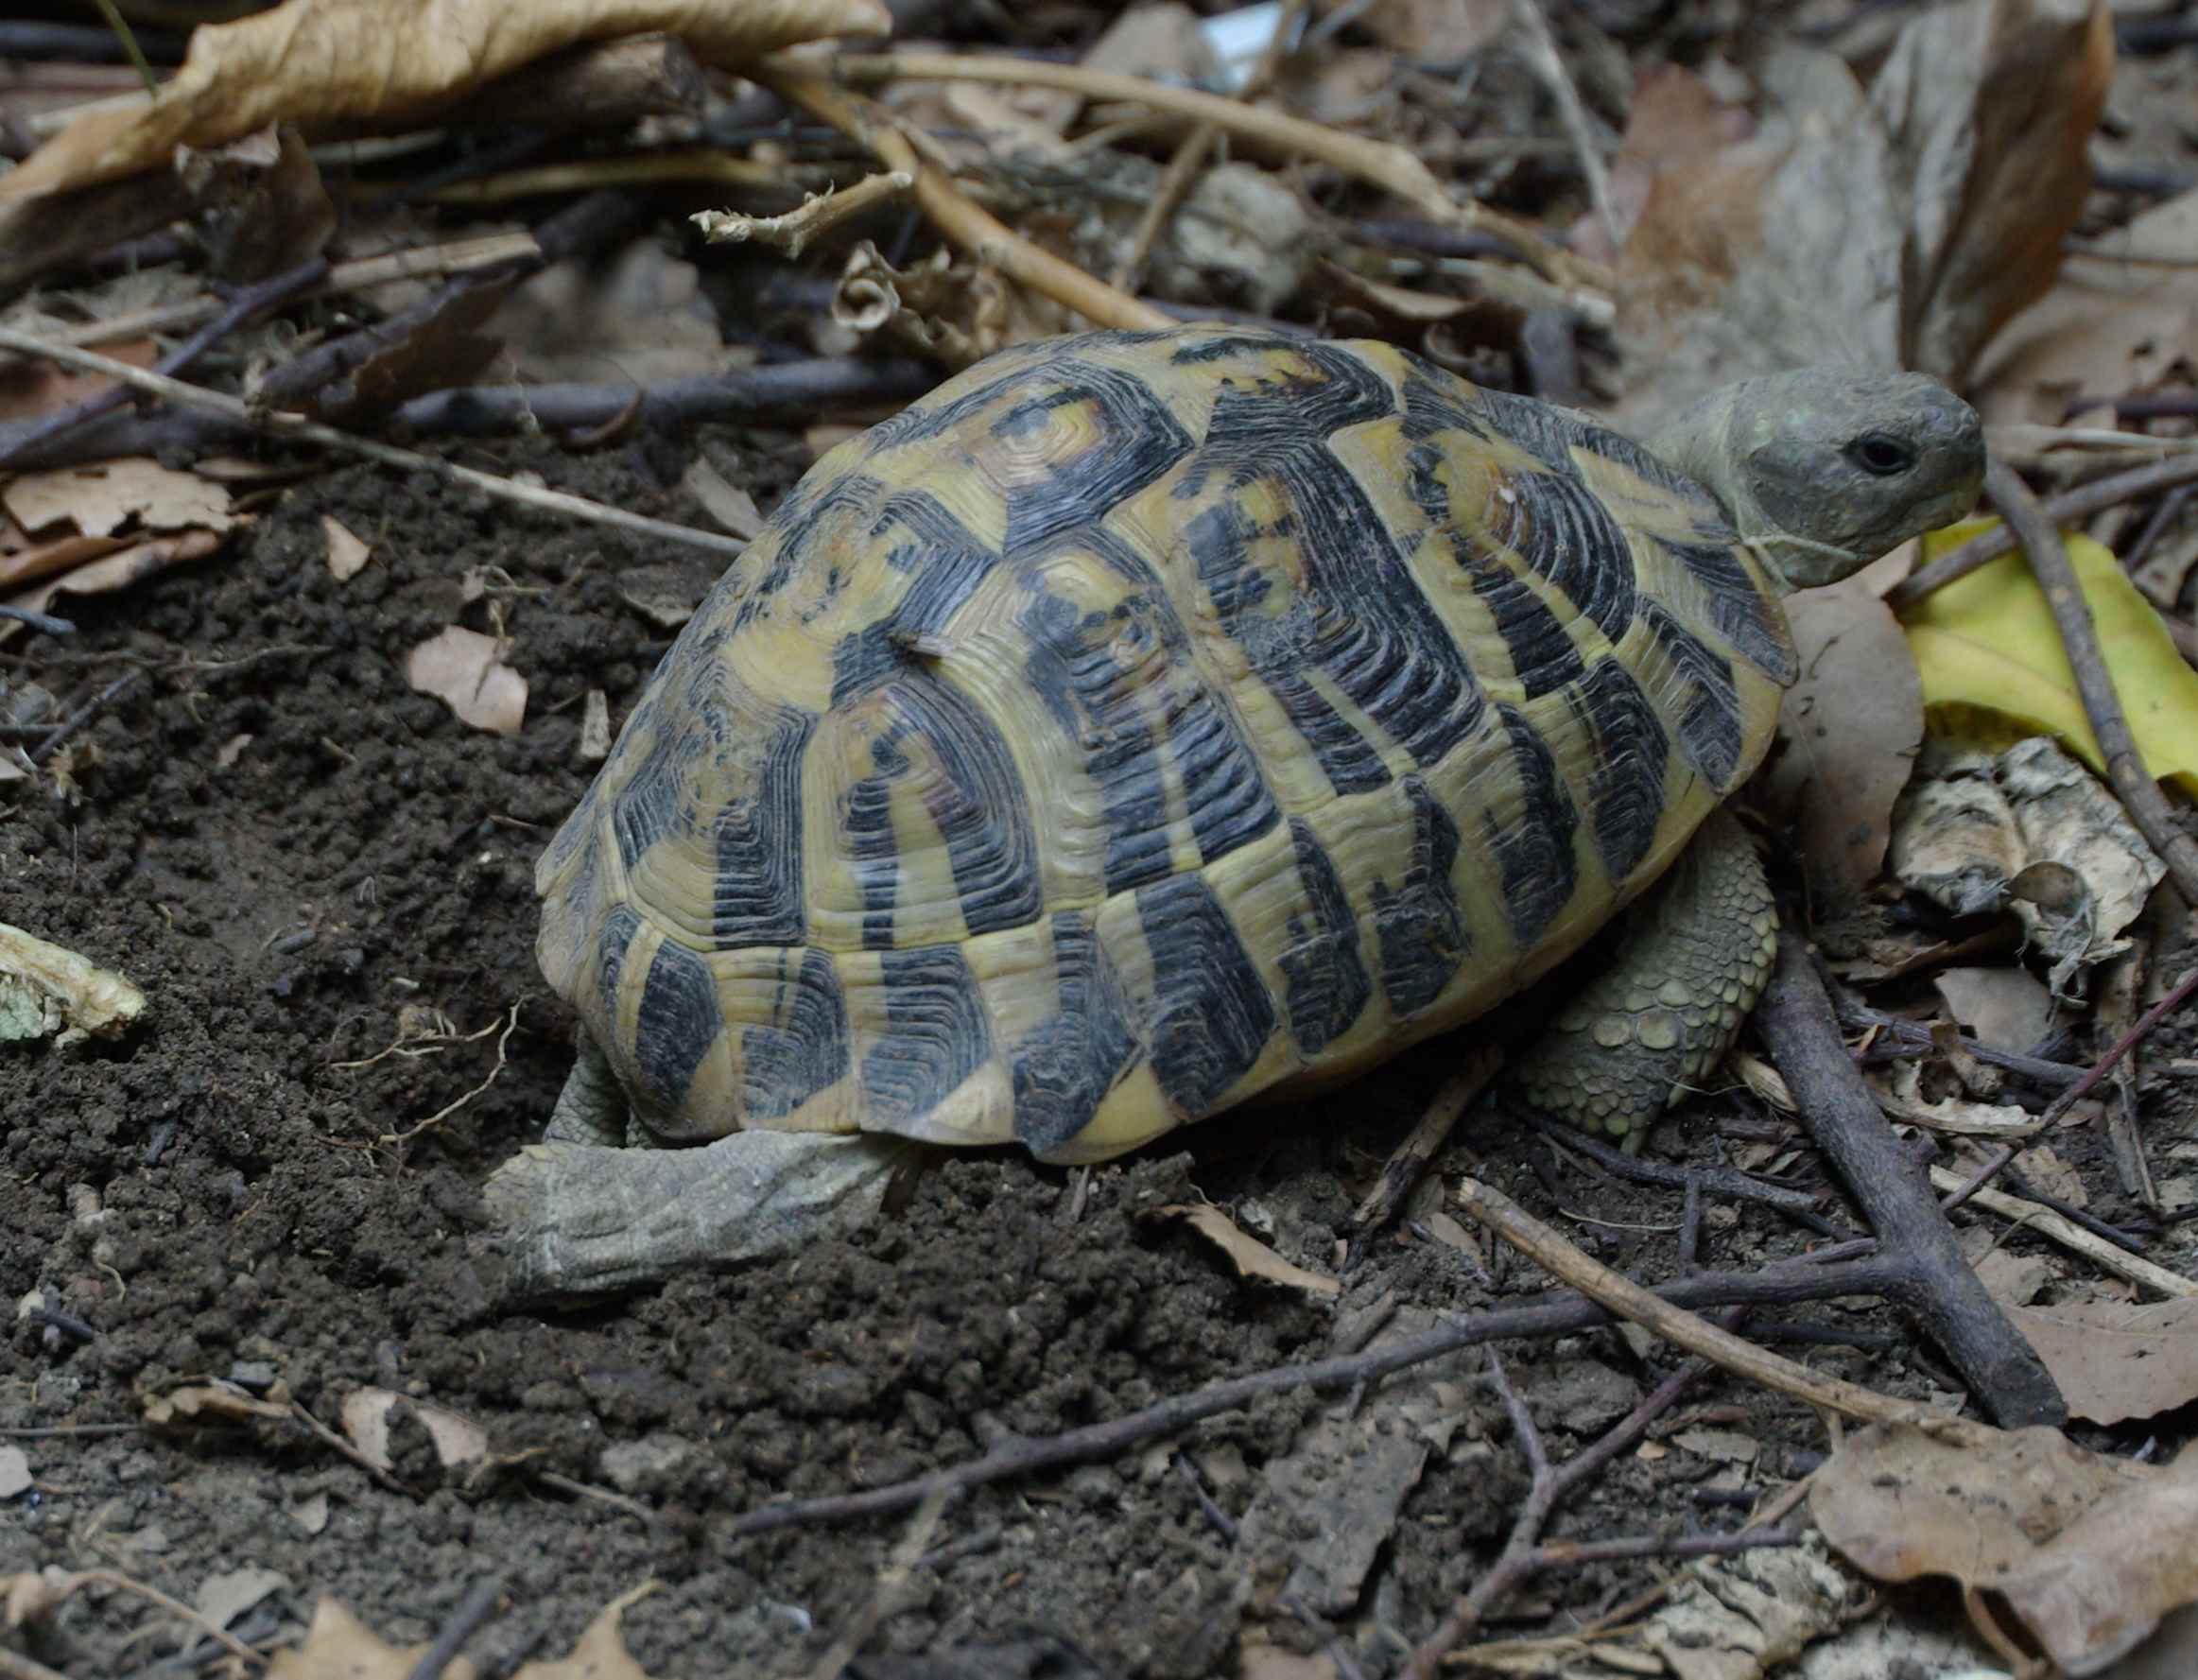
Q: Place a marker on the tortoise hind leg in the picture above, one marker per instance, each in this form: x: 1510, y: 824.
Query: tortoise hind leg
x: 591, y: 1108
x: 1694, y: 957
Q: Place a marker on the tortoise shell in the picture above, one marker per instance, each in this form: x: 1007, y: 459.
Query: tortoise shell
x: 1143, y: 721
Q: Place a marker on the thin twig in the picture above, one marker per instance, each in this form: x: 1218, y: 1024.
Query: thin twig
x: 1557, y: 1314
x: 251, y: 301
x: 977, y: 231
x: 309, y: 431
x: 2107, y: 1257
x: 889, y: 1582
x: 1392, y: 169
x: 2068, y: 507
x: 1408, y: 1165
x: 2121, y: 1047
x: 2125, y: 766
x: 796, y: 230
x: 464, y: 1621
x: 1548, y: 63
x: 76, y: 719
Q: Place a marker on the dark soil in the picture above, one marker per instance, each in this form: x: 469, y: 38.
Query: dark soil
x: 294, y: 855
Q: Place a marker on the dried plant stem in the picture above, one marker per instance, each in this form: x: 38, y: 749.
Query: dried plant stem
x: 2107, y: 1257
x: 1376, y: 163
x: 1191, y: 156
x: 987, y: 239
x: 1630, y: 1301
x: 2125, y: 767
x: 309, y: 431
x: 796, y: 230
x: 1548, y: 63
x: 2065, y: 508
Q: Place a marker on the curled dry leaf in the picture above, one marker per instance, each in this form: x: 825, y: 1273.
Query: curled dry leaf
x: 366, y: 1419
x: 1899, y: 1092
x: 339, y: 1643
x: 2116, y: 1359
x: 393, y: 62
x: 1252, y: 1257
x: 100, y: 500
x: 119, y: 570
x: 461, y: 668
x: 2003, y: 1008
x: 2088, y: 1551
x: 732, y: 508
x: 1987, y: 644
x: 45, y: 990
x: 347, y: 554
x: 1850, y: 729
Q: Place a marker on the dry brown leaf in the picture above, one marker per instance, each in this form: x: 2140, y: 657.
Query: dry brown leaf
x: 393, y: 62
x: 465, y: 669
x: 1444, y: 32
x: 2004, y: 1008
x: 1903, y: 224
x: 100, y: 500
x: 2088, y: 1551
x: 366, y: 1419
x: 1899, y: 1091
x: 1252, y: 1257
x: 338, y: 1646
x: 2114, y: 1360
x: 30, y: 390
x: 119, y: 569
x: 1675, y: 122
x: 347, y: 554
x: 31, y: 562
x: 1850, y: 729
x: 1991, y: 106
x: 601, y: 1654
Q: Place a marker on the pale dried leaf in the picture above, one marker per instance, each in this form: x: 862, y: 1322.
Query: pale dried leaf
x: 392, y: 62
x: 2088, y: 1551
x: 2116, y: 1360
x: 223, y: 1598
x: 210, y: 1400
x: 594, y: 743
x: 365, y: 1415
x: 601, y: 1654
x: 100, y: 500
x: 347, y: 554
x: 311, y: 1514
x: 46, y: 989
x: 1898, y: 1089
x: 1991, y: 106
x: 732, y: 508
x: 119, y: 570
x: 1252, y: 1257
x: 1850, y: 729
x: 1446, y: 31
x: 338, y: 1646
x: 14, y: 1471
x: 462, y: 668
x: 1258, y: 1661
x: 2004, y: 1008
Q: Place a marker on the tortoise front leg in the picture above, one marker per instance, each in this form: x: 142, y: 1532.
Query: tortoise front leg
x: 1695, y: 954
x: 591, y: 1108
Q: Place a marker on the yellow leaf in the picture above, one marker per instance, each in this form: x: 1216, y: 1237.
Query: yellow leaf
x: 1988, y: 647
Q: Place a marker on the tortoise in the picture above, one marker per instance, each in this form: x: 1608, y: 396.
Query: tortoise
x: 1144, y: 722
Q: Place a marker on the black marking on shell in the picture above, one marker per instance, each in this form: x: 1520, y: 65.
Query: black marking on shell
x: 1626, y: 786
x: 1364, y: 624
x: 1710, y: 725
x: 1565, y: 532
x: 1277, y: 644
x: 756, y: 887
x: 1122, y: 686
x: 1543, y: 654
x: 867, y: 833
x: 616, y: 939
x: 1325, y: 977
x: 1418, y: 924
x: 1436, y: 401
x: 1749, y: 620
x: 1063, y: 1067
x: 864, y: 658
x: 1211, y: 1015
x: 937, y: 1034
x: 978, y: 801
x: 1139, y: 442
x: 673, y: 1029
x: 799, y: 522
x: 1535, y: 853
x: 804, y: 1049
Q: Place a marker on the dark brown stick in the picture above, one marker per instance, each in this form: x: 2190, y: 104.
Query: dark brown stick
x: 2141, y: 794
x: 2065, y: 508
x: 251, y: 301
x: 1559, y: 1313
x: 1938, y: 1285
x: 2122, y: 1046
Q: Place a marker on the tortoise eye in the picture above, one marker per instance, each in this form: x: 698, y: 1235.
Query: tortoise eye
x: 1880, y: 455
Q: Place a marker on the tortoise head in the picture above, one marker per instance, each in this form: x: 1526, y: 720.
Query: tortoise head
x: 1825, y: 469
